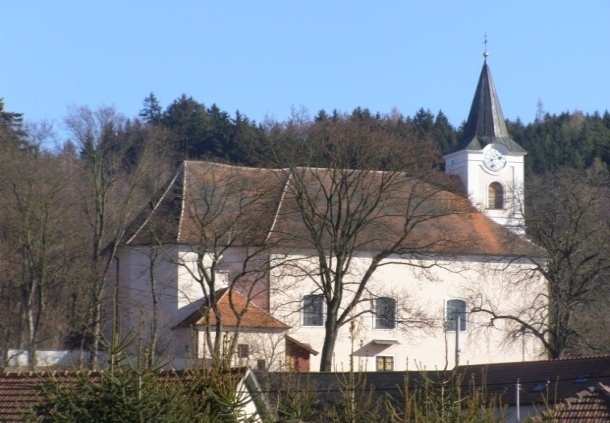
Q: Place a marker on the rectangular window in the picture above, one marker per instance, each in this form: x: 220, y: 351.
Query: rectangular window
x: 243, y: 350
x: 456, y: 310
x: 385, y: 363
x: 385, y: 313
x: 313, y: 310
x: 261, y: 364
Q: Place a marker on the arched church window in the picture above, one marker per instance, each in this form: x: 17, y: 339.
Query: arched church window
x: 495, y: 196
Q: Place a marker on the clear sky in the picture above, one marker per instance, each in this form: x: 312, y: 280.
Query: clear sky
x: 267, y: 57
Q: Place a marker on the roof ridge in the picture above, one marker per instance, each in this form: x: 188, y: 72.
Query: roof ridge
x: 26, y: 373
x: 155, y: 207
x: 182, y: 201
x: 278, y: 207
x: 549, y: 360
x: 231, y: 165
x: 5, y: 373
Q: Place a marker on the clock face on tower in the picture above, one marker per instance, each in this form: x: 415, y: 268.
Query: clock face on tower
x: 493, y: 159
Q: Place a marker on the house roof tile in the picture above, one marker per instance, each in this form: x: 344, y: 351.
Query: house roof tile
x: 591, y: 405
x: 20, y: 391
x: 235, y: 310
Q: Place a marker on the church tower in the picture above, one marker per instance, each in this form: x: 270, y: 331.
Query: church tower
x: 489, y: 162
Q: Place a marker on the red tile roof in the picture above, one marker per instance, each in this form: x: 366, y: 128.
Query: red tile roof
x: 235, y: 310
x: 18, y: 394
x: 206, y: 200
x: 301, y: 345
x: 255, y: 206
x: 591, y: 405
x: 20, y: 391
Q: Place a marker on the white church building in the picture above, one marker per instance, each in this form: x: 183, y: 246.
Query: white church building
x: 414, y: 317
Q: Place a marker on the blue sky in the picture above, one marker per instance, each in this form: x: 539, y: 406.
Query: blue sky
x: 268, y: 57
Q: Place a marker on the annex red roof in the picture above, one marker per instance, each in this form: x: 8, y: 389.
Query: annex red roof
x: 235, y: 310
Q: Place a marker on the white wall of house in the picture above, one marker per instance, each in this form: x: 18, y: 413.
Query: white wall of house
x: 262, y: 344
x: 174, y: 290
x: 420, y: 294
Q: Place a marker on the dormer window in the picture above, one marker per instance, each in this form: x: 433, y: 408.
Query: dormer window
x: 495, y: 196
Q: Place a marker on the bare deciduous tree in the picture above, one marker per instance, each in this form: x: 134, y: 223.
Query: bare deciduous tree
x: 113, y: 184
x: 34, y: 212
x: 566, y: 216
x: 354, y: 189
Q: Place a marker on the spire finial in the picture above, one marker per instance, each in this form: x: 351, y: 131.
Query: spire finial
x: 485, y: 52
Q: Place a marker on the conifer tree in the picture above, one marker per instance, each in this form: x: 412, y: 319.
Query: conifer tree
x: 151, y: 111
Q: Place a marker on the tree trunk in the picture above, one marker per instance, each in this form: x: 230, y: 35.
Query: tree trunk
x: 330, y: 338
x: 97, y: 334
x: 116, y: 328
x: 31, y: 323
x: 32, y: 350
x: 152, y: 348
x: 31, y: 339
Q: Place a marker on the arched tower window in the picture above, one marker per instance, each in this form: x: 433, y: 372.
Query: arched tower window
x: 495, y: 196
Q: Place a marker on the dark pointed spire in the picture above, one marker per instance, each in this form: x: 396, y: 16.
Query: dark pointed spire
x: 486, y: 123
x: 486, y: 118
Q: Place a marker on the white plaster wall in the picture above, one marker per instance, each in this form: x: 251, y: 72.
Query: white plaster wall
x: 426, y: 292
x: 416, y: 290
x: 189, y: 290
x: 266, y: 345
x: 174, y: 291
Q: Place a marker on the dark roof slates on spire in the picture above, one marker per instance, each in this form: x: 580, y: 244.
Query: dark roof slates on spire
x: 486, y: 122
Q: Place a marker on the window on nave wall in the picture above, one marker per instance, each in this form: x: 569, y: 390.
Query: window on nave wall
x: 313, y: 310
x: 385, y: 313
x: 456, y: 311
x: 495, y: 196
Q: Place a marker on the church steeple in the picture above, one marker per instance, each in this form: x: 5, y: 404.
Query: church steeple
x: 488, y: 161
x: 486, y: 124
